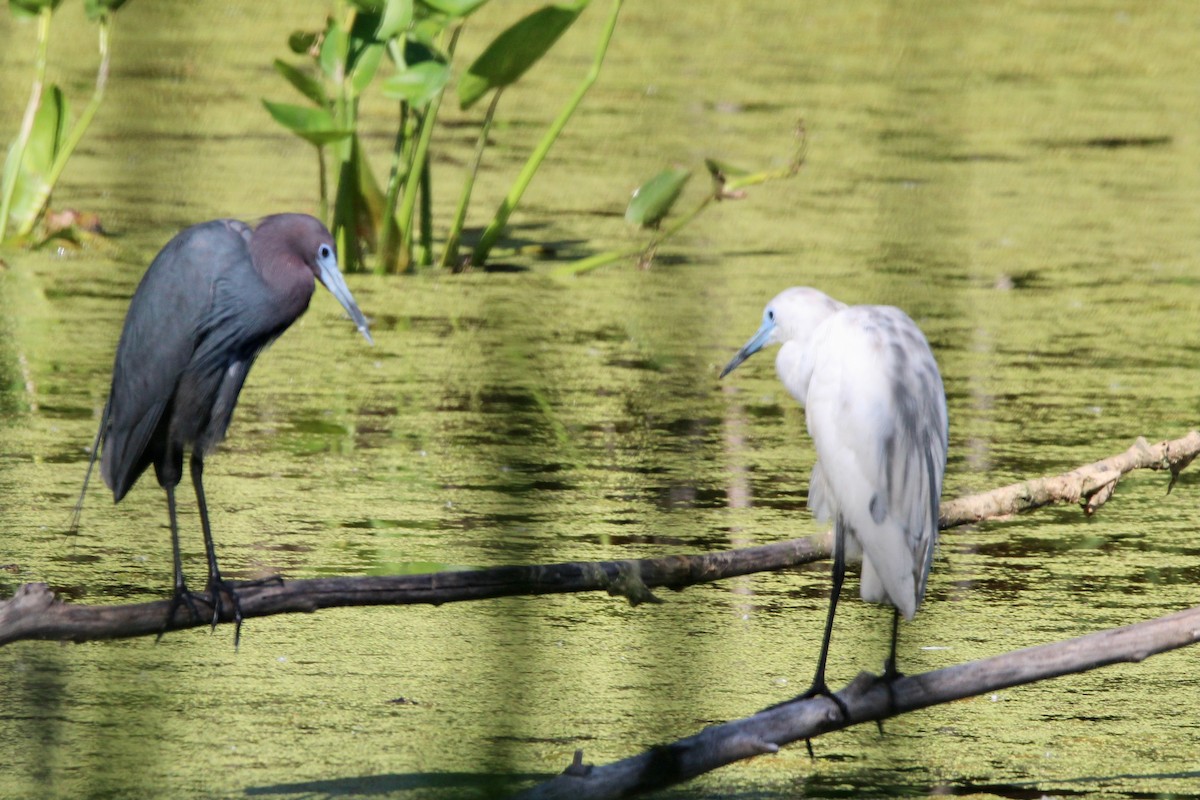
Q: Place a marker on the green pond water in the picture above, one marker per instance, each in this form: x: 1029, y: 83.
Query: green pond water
x: 1022, y: 178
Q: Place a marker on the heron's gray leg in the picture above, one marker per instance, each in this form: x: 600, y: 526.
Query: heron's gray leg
x: 216, y: 584
x: 181, y: 595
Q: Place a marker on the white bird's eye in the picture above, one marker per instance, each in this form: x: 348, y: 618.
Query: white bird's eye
x: 771, y: 314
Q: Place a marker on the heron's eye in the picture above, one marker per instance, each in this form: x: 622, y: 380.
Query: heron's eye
x: 324, y: 251
x: 770, y: 315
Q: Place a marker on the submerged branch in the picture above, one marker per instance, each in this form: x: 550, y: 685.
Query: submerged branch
x: 867, y: 699
x: 35, y: 613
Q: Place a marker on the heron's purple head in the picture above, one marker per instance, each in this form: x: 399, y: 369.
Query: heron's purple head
x: 285, y: 243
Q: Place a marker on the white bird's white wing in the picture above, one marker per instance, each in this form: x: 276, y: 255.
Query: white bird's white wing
x: 876, y: 411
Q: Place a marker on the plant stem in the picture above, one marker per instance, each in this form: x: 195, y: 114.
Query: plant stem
x: 387, y: 238
x: 12, y: 167
x: 419, y: 161
x: 493, y: 231
x: 322, y: 183
x: 77, y: 130
x: 426, y: 214
x: 450, y: 254
x: 607, y: 257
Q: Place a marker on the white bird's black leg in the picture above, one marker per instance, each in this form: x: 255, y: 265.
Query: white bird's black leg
x: 216, y: 584
x: 890, y: 673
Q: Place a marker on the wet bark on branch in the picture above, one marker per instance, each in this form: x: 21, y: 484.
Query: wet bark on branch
x: 866, y: 698
x: 35, y: 613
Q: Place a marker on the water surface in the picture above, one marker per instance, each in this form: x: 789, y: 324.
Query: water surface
x: 1022, y: 179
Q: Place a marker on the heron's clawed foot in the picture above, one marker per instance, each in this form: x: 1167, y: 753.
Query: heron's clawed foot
x: 890, y: 676
x: 821, y: 689
x: 218, y: 586
x: 181, y: 597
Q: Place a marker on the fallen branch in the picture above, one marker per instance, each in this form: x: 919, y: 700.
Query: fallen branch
x: 1090, y: 485
x: 35, y: 613
x: 866, y: 698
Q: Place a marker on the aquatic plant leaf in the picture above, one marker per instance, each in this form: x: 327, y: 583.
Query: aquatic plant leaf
x: 97, y: 8
x: 314, y: 125
x: 307, y: 85
x: 302, y: 42
x: 26, y: 8
x: 453, y: 8
x: 333, y: 50
x: 654, y: 198
x: 723, y: 169
x: 397, y: 16
x: 365, y: 66
x: 418, y: 84
x: 516, y: 50
x: 51, y: 125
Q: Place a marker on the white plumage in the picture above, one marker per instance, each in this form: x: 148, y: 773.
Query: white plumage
x: 876, y: 412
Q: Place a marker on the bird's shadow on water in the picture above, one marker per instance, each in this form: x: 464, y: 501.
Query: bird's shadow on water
x: 447, y: 784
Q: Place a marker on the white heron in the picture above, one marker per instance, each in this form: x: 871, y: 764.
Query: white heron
x: 876, y: 412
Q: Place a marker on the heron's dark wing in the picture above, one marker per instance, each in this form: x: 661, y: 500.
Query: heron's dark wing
x: 159, y: 340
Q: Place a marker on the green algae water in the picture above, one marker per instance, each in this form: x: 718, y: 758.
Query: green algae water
x: 1023, y: 179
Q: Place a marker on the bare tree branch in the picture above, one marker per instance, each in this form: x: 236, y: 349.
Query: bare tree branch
x: 1090, y: 485
x: 35, y: 613
x: 867, y: 698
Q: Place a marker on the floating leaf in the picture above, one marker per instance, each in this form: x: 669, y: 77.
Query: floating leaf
x: 397, y: 16
x: 418, y: 84
x: 307, y: 85
x: 516, y: 50
x: 654, y: 198
x: 453, y: 8
x: 312, y: 124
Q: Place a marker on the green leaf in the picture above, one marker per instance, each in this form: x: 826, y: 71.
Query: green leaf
x: 516, y: 50
x: 723, y: 169
x: 333, y: 50
x: 654, y: 198
x: 453, y: 8
x: 418, y: 84
x: 32, y: 7
x: 51, y: 126
x: 314, y: 125
x: 307, y: 85
x: 302, y: 42
x: 365, y: 66
x: 397, y: 16
x: 97, y: 8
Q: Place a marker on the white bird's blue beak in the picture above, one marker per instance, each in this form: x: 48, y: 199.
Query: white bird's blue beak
x: 331, y: 278
x: 759, y: 340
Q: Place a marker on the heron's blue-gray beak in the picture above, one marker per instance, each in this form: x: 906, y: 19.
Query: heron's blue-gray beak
x: 331, y: 278
x: 756, y: 343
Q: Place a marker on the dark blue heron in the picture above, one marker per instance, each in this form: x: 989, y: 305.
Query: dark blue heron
x: 212, y: 299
